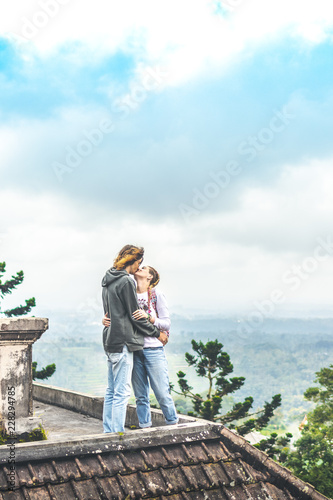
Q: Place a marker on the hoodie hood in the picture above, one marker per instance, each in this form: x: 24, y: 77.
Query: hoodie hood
x: 113, y: 275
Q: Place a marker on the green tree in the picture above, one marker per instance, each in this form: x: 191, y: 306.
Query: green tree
x: 212, y: 363
x: 312, y: 461
x: 276, y: 447
x: 44, y: 373
x: 8, y: 286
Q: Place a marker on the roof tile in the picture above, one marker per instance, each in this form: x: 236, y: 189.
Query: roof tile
x: 132, y: 486
x: 272, y: 492
x: 254, y: 475
x: 3, y: 480
x: 89, y: 466
x: 111, y: 487
x: 175, y: 480
x: 196, y: 451
x: 216, y: 474
x: 235, y: 472
x: 198, y: 495
x: 177, y: 496
x: 287, y: 494
x: 237, y: 493
x: 179, y: 470
x: 113, y: 463
x: 217, y: 450
x: 103, y: 465
x: 190, y: 477
x: 255, y: 492
x: 154, y: 458
x: 50, y: 489
x: 11, y: 495
x: 23, y: 475
x: 174, y: 455
x: 202, y: 478
x: 85, y: 490
x: 42, y: 473
x: 153, y: 482
x: 63, y: 491
x: 133, y: 461
x: 215, y: 495
x: 40, y: 493
x: 66, y: 469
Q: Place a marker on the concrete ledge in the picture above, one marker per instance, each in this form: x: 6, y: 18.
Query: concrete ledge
x: 92, y: 406
x: 24, y: 324
x: 22, y: 330
x: 106, y: 443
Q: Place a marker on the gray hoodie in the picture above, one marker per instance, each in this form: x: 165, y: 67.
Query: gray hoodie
x: 119, y: 302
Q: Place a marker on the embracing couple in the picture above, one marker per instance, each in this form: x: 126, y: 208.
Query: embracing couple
x: 136, y: 329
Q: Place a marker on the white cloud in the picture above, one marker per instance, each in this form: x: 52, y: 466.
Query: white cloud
x: 285, y: 216
x: 221, y: 263
x: 184, y: 36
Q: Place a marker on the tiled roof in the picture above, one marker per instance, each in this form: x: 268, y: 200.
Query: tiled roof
x: 185, y: 462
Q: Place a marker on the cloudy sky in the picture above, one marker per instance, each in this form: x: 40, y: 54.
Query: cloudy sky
x: 201, y: 130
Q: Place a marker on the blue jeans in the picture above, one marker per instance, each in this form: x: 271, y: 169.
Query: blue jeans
x: 150, y: 365
x: 120, y: 366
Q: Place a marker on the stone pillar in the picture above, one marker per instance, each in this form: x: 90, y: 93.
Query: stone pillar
x: 16, y: 339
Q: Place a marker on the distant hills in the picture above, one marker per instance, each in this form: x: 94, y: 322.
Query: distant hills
x: 279, y: 356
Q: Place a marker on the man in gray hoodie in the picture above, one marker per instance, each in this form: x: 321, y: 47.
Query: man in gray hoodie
x: 124, y: 335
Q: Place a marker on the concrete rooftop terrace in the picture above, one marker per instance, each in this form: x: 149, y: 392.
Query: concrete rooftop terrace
x: 193, y: 460
x: 67, y: 414
x: 61, y: 424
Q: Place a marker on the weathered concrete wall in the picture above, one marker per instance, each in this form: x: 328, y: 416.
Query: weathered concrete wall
x: 89, y: 405
x: 70, y: 400
x: 16, y: 338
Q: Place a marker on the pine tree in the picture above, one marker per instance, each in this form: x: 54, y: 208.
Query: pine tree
x: 8, y: 286
x: 212, y: 363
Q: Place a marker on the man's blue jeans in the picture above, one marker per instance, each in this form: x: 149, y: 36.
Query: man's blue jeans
x: 120, y: 366
x: 150, y: 365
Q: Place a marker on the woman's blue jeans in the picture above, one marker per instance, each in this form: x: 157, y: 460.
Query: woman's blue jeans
x: 150, y: 365
x: 120, y: 365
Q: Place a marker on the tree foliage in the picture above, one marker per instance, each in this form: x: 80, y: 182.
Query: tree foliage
x: 214, y: 364
x: 276, y: 447
x: 44, y: 373
x: 312, y: 457
x: 312, y: 461
x: 7, y: 287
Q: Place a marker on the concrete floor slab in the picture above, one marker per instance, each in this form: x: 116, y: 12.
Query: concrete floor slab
x: 61, y: 424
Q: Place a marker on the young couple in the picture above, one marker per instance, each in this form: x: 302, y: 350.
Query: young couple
x: 136, y: 328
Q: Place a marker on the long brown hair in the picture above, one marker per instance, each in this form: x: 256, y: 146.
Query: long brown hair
x: 127, y: 256
x: 154, y: 281
x: 155, y: 277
